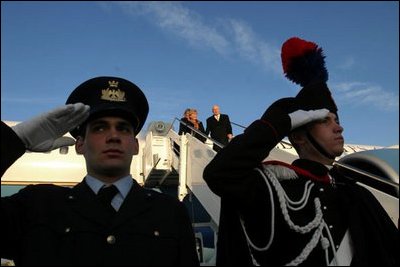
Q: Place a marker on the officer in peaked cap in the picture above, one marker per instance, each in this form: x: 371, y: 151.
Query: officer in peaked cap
x: 111, y: 96
x: 99, y: 219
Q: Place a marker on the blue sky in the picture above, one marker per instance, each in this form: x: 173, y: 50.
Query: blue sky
x: 197, y: 54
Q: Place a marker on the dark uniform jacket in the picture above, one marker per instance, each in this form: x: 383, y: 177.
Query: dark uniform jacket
x: 54, y: 225
x: 233, y: 176
x: 219, y: 130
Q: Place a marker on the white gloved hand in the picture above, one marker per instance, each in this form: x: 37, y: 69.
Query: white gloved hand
x: 45, y: 132
x: 302, y: 117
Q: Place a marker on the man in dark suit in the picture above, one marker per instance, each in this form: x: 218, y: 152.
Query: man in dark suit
x: 107, y: 219
x: 219, y: 127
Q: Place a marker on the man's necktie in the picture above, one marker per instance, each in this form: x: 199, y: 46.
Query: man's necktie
x: 105, y: 195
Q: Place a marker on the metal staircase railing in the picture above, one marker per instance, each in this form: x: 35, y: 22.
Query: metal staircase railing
x: 189, y: 157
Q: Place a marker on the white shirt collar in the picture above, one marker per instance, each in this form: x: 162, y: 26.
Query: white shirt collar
x: 124, y: 184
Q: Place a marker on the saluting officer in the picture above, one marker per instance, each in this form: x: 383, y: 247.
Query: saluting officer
x: 108, y: 218
x: 304, y: 213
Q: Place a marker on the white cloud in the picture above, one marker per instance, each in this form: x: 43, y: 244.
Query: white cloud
x: 175, y: 18
x: 234, y: 38
x: 359, y: 93
x: 252, y: 48
x: 245, y: 40
x: 231, y: 37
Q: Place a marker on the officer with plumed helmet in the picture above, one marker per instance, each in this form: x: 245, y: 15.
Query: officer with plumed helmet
x: 307, y: 212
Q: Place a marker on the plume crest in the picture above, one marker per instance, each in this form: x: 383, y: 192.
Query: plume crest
x: 303, y: 62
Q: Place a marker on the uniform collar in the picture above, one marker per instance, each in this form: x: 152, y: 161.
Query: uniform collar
x: 313, y: 167
x: 124, y: 184
x: 305, y: 168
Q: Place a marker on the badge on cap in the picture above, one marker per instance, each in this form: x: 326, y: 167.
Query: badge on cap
x: 112, y: 94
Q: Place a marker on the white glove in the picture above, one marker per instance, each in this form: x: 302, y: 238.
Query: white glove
x: 45, y: 132
x: 302, y: 117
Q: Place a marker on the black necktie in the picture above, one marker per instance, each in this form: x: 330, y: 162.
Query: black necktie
x: 105, y: 195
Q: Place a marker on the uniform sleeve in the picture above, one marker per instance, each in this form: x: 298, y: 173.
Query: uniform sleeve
x: 232, y: 172
x: 11, y: 147
x: 13, y: 210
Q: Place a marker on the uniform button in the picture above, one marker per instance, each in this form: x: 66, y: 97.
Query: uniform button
x: 324, y: 207
x: 111, y: 239
x: 337, y: 246
x: 321, y: 189
x: 156, y: 233
x: 68, y: 229
x: 330, y: 226
x: 71, y: 197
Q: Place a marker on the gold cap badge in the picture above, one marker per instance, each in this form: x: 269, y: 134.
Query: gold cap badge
x: 113, y: 94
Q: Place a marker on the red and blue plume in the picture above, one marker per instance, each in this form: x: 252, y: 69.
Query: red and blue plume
x: 303, y: 62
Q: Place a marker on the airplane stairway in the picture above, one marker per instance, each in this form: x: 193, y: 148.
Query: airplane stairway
x: 174, y: 164
x: 173, y: 160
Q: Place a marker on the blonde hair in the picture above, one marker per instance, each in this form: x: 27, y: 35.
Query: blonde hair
x: 192, y: 110
x: 195, y: 121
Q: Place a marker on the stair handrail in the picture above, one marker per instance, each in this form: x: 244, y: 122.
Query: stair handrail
x: 282, y: 142
x: 197, y: 131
